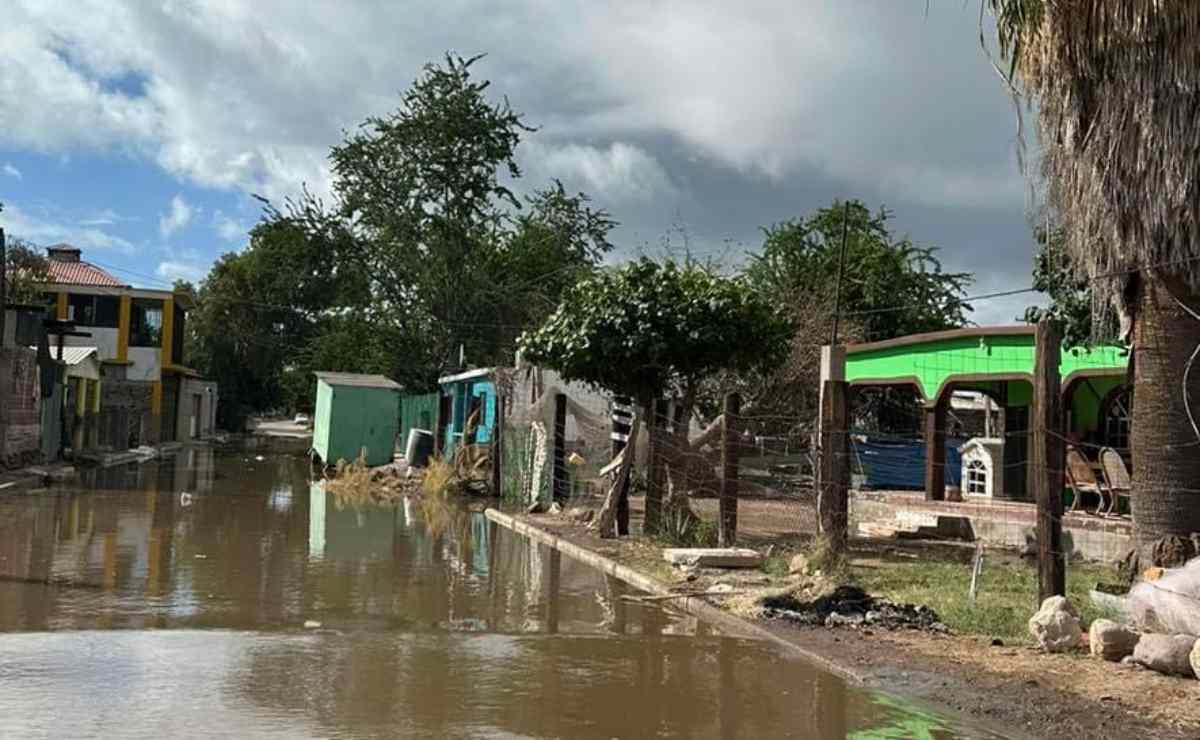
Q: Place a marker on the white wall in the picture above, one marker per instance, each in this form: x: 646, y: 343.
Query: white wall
x: 104, y: 340
x: 145, y: 363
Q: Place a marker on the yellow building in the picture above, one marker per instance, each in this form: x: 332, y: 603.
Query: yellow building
x: 148, y: 394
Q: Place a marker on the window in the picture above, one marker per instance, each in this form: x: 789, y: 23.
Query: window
x: 1118, y: 415
x: 101, y: 311
x: 977, y: 478
x: 145, y: 328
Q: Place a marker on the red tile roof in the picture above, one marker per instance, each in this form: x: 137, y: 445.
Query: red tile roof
x: 82, y: 273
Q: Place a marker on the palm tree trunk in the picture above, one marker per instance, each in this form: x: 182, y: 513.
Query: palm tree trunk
x: 1166, y: 450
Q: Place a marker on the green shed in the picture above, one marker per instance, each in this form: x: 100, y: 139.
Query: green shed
x: 356, y: 413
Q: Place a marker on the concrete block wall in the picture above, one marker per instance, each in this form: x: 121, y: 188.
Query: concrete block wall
x: 131, y: 400
x: 20, y: 419
x: 1005, y: 525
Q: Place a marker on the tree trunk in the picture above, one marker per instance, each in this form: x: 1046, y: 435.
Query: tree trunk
x: 1166, y: 452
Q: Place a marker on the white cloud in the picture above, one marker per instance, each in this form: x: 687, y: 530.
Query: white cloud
x: 173, y: 270
x: 179, y: 216
x: 618, y: 172
x: 227, y: 228
x: 103, y: 217
x: 764, y: 87
x: 12, y: 171
x: 43, y: 228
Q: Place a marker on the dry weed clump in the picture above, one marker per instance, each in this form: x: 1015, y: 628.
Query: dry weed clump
x: 356, y: 483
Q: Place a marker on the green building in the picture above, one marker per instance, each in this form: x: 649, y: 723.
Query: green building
x: 355, y: 414
x: 998, y: 362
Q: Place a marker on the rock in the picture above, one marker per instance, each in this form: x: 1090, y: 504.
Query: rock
x: 311, y: 624
x: 581, y: 515
x: 713, y: 557
x: 1056, y: 625
x: 556, y: 508
x: 844, y: 620
x: 1110, y: 640
x: 1169, y: 654
x: 1194, y: 658
x: 798, y: 566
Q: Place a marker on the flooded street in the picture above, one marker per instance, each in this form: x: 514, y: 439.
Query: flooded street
x: 171, y: 600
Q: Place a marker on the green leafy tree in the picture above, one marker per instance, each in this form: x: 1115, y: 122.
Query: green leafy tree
x: 648, y: 329
x: 1114, y: 86
x: 257, y: 310
x: 449, y: 256
x: 556, y: 241
x: 27, y: 270
x: 891, y: 286
x: 424, y: 188
x: 1071, y: 299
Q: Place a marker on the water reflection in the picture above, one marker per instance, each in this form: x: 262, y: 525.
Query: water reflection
x: 434, y: 623
x: 208, y: 540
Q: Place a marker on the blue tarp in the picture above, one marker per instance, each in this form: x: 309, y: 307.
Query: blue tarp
x: 900, y: 464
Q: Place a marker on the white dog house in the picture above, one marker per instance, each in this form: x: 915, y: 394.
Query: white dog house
x: 983, y: 467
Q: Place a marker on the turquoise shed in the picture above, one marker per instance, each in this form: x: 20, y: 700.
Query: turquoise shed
x: 466, y: 392
x: 356, y: 413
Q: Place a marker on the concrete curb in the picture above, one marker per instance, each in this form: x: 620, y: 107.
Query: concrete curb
x: 697, y: 607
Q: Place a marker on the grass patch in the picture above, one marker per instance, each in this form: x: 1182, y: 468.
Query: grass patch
x: 1007, y: 591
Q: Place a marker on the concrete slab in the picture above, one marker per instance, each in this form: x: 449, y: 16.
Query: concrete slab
x: 713, y: 557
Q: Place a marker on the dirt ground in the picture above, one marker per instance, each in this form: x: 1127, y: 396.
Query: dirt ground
x: 1016, y: 689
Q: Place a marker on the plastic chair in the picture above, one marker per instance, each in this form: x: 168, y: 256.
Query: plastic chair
x: 1082, y: 479
x: 1116, y: 476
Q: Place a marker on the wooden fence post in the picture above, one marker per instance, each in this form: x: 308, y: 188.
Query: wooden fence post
x: 833, y: 509
x: 935, y: 450
x: 559, y: 483
x: 1046, y: 461
x: 498, y: 448
x: 727, y: 525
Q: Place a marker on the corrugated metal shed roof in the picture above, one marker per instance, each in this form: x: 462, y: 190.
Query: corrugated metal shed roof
x: 71, y: 355
x: 82, y: 273
x: 358, y: 381
x: 481, y: 372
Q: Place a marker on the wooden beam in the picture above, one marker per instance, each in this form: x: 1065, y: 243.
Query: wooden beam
x: 833, y: 479
x: 1046, y: 461
x: 935, y: 451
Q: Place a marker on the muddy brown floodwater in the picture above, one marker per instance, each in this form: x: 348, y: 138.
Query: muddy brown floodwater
x: 182, y: 598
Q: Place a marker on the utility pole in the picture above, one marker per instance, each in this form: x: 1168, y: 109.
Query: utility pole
x: 837, y: 288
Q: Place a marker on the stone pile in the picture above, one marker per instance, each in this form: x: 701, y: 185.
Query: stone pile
x: 1056, y: 628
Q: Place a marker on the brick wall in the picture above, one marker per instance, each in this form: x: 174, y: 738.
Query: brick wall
x: 20, y: 422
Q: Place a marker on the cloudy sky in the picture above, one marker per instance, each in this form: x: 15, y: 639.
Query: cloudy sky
x: 138, y: 130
